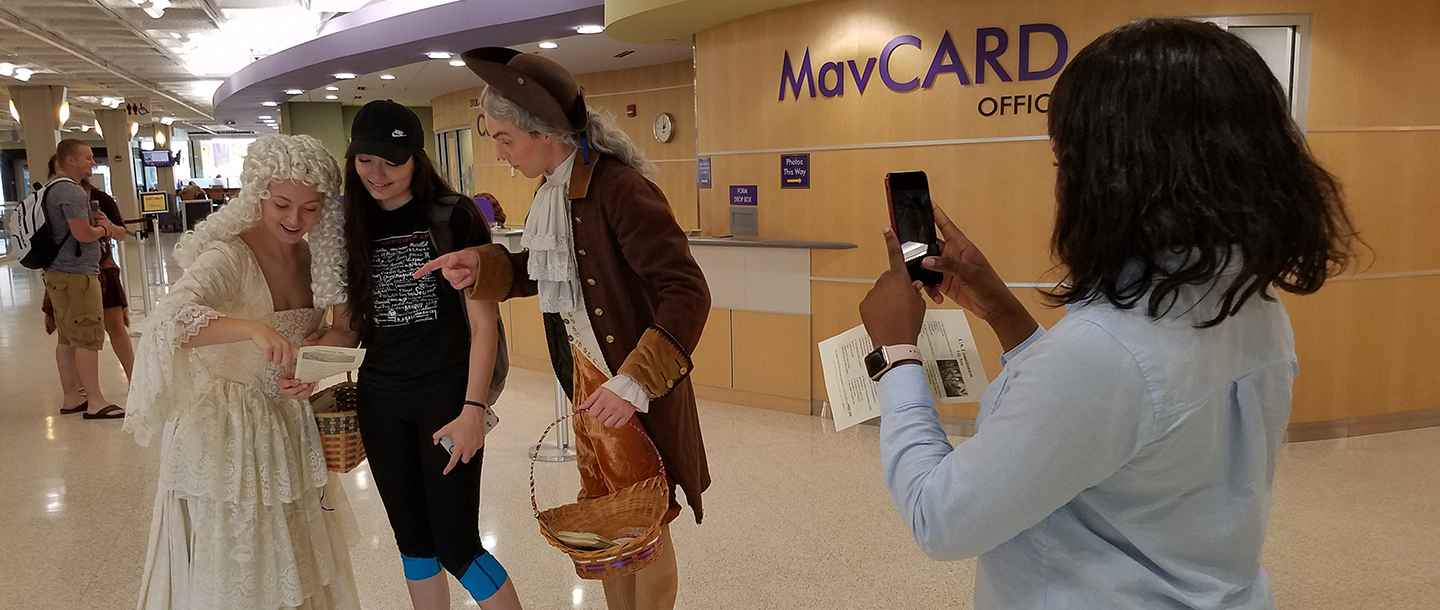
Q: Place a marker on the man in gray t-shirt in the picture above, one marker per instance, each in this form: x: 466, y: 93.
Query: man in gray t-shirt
x: 66, y: 201
x: 72, y: 282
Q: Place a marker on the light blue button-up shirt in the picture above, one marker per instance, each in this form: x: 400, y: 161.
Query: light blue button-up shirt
x: 1118, y: 462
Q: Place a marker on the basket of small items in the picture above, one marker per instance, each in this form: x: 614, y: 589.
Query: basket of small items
x: 612, y: 535
x: 334, y: 409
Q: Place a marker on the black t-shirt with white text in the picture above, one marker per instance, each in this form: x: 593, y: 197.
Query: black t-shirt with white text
x: 419, y: 335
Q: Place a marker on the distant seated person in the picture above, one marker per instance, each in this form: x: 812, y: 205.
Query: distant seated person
x: 490, y: 207
x: 192, y: 192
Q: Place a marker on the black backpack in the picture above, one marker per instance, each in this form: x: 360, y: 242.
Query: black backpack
x: 443, y: 238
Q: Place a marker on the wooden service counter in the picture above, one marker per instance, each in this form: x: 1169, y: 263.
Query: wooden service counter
x: 756, y: 348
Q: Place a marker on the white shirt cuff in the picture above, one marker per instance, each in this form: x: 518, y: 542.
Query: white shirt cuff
x: 626, y: 387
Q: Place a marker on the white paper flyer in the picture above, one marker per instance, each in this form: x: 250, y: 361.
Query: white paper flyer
x: 952, y: 365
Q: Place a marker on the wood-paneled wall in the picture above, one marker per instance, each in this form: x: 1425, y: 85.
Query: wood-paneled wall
x: 1368, y: 345
x: 652, y: 89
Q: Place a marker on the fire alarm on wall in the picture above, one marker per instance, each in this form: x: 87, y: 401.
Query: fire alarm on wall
x: 630, y: 110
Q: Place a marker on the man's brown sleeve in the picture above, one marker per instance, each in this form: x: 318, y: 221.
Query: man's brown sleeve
x: 501, y: 275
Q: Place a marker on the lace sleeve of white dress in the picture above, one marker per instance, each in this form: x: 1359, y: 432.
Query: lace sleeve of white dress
x: 164, y: 377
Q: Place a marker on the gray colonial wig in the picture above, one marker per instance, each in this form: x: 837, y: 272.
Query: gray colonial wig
x: 604, y: 135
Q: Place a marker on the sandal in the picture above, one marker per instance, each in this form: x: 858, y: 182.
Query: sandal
x: 107, y: 413
x: 77, y: 409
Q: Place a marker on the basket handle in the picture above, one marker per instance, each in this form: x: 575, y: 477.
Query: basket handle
x: 659, y: 458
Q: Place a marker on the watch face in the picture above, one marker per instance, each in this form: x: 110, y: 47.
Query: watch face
x: 875, y: 362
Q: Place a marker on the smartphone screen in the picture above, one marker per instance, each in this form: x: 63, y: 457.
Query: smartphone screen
x: 913, y: 219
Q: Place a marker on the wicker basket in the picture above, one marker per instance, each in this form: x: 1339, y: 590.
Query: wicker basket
x: 334, y: 409
x: 638, y: 509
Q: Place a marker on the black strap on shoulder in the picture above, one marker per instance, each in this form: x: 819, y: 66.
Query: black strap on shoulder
x: 45, y: 211
x: 442, y: 223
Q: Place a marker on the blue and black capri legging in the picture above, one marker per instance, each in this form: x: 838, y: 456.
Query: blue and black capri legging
x: 435, y: 516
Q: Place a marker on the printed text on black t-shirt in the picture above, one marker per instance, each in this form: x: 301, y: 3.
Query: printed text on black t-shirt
x: 399, y: 298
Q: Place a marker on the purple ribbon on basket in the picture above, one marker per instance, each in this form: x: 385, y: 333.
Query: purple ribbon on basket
x: 535, y: 506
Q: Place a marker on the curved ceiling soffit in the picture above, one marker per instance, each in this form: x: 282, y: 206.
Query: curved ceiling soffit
x: 374, y: 39
x: 675, y: 22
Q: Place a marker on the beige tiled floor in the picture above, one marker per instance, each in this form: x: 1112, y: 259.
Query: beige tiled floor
x: 798, y: 516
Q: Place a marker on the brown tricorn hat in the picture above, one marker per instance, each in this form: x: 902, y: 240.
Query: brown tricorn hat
x: 534, y: 83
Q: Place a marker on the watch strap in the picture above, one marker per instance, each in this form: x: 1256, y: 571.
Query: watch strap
x: 897, y: 353
x: 893, y: 354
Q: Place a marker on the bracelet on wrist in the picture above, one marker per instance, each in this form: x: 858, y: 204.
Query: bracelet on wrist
x: 473, y: 403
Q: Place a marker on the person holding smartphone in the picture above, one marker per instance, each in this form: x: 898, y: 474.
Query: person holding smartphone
x: 428, y: 379
x: 1124, y: 458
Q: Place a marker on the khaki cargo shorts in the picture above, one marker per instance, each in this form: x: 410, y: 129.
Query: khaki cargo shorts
x: 79, y: 312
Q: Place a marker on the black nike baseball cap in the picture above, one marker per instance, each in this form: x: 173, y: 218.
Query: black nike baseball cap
x: 386, y: 129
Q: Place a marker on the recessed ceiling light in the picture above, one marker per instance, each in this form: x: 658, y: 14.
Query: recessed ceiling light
x: 387, y: 77
x: 175, y: 35
x: 332, y: 97
x: 7, y: 68
x: 270, y: 104
x: 549, y: 45
x: 169, y: 120
x: 438, y: 55
x: 590, y: 29
x: 332, y: 88
x: 266, y: 117
x: 294, y: 91
x: 23, y: 74
x: 344, y: 75
x: 457, y: 62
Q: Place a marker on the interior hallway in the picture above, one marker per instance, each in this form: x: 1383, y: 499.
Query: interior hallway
x: 797, y: 517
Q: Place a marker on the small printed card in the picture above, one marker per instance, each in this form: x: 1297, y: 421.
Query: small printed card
x: 317, y: 362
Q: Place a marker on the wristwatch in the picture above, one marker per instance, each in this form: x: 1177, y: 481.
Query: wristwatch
x: 885, y: 357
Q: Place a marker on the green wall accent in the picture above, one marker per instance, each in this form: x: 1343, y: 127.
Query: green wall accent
x: 321, y: 120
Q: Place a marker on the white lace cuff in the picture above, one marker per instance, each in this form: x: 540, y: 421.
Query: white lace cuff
x: 626, y: 387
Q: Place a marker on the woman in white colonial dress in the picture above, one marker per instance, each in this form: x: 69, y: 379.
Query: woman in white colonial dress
x: 246, y: 515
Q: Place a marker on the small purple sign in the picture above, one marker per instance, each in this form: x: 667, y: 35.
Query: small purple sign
x: 744, y: 195
x: 703, y: 166
x: 795, y: 171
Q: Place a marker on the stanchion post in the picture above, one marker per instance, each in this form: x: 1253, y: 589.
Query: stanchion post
x: 144, y: 273
x: 562, y: 451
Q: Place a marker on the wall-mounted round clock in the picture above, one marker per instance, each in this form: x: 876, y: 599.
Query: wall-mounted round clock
x: 664, y: 127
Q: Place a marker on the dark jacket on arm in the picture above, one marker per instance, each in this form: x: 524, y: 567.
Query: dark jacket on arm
x: 647, y: 301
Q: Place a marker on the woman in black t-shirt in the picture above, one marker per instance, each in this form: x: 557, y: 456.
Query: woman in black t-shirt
x: 430, y: 354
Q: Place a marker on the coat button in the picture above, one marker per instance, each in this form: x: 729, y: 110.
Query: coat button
x: 684, y: 370
x: 577, y: 220
x: 581, y: 252
x: 590, y: 281
x: 599, y: 312
x: 669, y: 383
x: 609, y: 338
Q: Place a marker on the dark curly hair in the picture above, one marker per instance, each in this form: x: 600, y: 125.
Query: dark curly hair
x: 1173, y: 137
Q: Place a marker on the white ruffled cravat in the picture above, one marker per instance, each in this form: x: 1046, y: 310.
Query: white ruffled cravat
x: 551, y: 241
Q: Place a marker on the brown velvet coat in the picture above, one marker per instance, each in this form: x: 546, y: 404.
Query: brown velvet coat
x: 647, y: 300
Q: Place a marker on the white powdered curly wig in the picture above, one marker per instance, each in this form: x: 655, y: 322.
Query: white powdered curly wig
x: 278, y: 158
